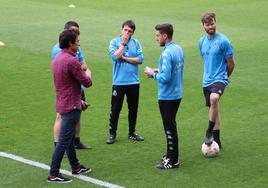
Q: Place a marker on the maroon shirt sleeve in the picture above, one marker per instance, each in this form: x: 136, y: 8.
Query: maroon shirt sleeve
x: 79, y: 73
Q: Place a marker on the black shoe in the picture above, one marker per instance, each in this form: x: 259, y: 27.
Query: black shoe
x: 218, y: 142
x: 166, y: 164
x: 134, y: 136
x: 164, y: 158
x: 209, y: 138
x: 111, y: 139
x: 81, y: 170
x: 216, y: 136
x: 58, y: 179
x: 80, y: 145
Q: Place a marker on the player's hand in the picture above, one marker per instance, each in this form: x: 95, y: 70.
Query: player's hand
x: 84, y: 66
x: 155, y: 69
x: 84, y: 105
x: 88, y: 73
x: 149, y: 72
x: 125, y: 38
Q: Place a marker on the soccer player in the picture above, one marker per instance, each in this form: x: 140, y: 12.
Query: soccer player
x: 55, y: 51
x: 68, y: 77
x: 126, y: 54
x: 217, y: 53
x: 169, y: 76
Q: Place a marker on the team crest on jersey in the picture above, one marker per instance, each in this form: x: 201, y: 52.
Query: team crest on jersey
x: 114, y: 93
x: 216, y: 42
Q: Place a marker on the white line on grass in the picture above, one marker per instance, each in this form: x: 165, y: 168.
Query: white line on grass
x: 66, y: 172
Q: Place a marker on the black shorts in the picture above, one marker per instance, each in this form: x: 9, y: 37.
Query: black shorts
x: 83, y: 97
x: 217, y: 87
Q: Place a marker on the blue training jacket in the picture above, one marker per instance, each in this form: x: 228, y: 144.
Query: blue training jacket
x: 125, y: 73
x: 170, y: 75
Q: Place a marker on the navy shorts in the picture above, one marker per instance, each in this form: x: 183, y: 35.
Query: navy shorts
x: 217, y: 87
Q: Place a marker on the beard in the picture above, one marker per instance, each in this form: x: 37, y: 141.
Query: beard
x: 211, y: 31
x: 161, y: 44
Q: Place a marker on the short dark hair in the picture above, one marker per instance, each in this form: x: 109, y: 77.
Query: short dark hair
x: 207, y: 17
x: 66, y: 37
x: 70, y: 24
x: 165, y: 28
x: 130, y: 24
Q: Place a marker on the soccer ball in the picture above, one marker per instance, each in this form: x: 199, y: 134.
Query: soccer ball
x: 210, y: 151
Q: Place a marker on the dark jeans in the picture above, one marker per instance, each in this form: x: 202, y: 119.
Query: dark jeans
x: 168, y: 110
x: 66, y: 142
x: 118, y: 93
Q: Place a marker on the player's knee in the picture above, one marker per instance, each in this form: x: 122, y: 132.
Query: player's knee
x: 214, y: 99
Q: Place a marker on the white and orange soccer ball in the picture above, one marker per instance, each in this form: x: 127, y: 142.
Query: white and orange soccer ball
x: 210, y: 151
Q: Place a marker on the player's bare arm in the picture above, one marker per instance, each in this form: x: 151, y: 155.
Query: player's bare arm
x: 231, y: 65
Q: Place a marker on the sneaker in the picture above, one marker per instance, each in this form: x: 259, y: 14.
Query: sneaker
x: 58, y: 179
x: 111, y: 139
x: 166, y: 164
x: 216, y: 136
x: 218, y: 142
x: 209, y: 138
x: 134, y: 136
x: 81, y: 170
x: 164, y: 158
x: 82, y: 146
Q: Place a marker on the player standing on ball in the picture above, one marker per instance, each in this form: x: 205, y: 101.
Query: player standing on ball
x: 217, y: 53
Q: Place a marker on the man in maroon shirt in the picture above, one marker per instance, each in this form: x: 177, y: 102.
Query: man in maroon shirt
x: 68, y: 77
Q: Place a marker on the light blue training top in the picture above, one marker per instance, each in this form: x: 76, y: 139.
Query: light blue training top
x: 56, y: 49
x: 214, y: 52
x: 125, y: 73
x: 170, y: 73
